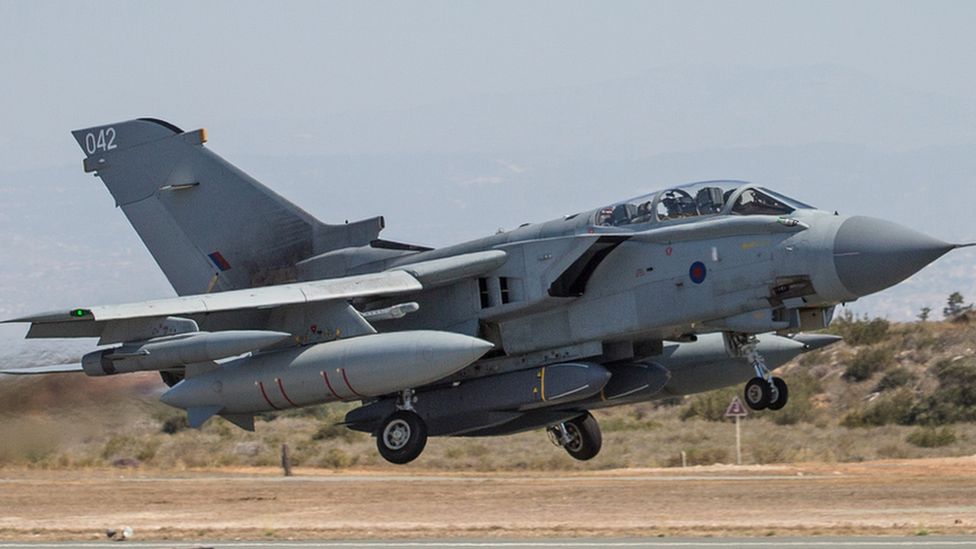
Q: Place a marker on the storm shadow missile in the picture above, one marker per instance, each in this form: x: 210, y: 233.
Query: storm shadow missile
x: 477, y: 403
x: 174, y: 351
x: 537, y: 397
x: 358, y: 368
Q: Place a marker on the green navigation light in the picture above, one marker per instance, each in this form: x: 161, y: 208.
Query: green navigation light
x: 78, y: 313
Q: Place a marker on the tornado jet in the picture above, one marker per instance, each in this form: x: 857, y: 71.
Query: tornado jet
x: 679, y: 291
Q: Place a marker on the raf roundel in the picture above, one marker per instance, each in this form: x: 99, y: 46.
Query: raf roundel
x: 697, y: 272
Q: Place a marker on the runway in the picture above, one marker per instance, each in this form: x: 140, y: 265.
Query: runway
x: 806, y: 504
x: 657, y: 543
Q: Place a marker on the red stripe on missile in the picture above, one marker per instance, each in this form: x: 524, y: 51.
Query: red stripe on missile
x: 219, y: 261
x: 325, y: 376
x: 281, y: 387
x: 346, y: 379
x: 265, y: 395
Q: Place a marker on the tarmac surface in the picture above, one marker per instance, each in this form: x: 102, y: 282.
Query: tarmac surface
x: 804, y: 505
x: 683, y: 543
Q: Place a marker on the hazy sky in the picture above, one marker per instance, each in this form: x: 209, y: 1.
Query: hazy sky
x: 548, y: 107
x: 71, y: 64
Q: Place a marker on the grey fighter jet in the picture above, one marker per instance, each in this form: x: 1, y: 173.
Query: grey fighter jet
x: 676, y: 292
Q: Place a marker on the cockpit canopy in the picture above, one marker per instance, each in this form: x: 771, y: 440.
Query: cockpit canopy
x: 695, y: 200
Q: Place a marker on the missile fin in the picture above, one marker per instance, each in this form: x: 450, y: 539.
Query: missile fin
x: 56, y: 369
x: 197, y: 416
x: 244, y: 421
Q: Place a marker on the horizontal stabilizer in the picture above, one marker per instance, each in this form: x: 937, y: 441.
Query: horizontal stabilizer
x: 56, y: 369
x: 197, y: 416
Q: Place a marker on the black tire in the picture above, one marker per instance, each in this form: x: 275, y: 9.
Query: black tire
x: 585, y: 438
x: 402, y: 437
x: 781, y: 394
x: 758, y: 394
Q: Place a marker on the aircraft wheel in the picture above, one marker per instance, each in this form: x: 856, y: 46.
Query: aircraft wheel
x: 402, y: 437
x: 781, y: 394
x: 585, y: 439
x: 758, y: 393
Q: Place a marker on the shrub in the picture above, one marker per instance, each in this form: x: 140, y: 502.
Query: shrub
x: 799, y: 407
x: 175, y: 423
x: 895, y: 408
x: 331, y: 431
x: 894, y: 379
x: 711, y: 405
x: 859, y: 331
x: 867, y: 362
x: 336, y: 458
x: 772, y: 452
x: 930, y: 437
x: 955, y: 399
x: 701, y: 456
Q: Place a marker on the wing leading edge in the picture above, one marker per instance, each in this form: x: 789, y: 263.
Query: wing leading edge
x: 87, y: 322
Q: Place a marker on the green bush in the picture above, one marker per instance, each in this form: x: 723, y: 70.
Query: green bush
x: 867, y: 362
x: 895, y: 378
x: 930, y: 437
x: 175, y: 423
x: 711, y: 405
x: 332, y: 431
x: 897, y: 408
x: 799, y: 407
x: 955, y: 399
x: 859, y: 331
x: 336, y: 458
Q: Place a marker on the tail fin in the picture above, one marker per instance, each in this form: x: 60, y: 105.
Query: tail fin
x: 209, y: 226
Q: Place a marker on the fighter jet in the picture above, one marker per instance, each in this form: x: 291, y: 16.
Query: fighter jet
x: 675, y: 292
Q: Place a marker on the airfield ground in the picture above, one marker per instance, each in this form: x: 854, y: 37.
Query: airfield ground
x: 892, y: 497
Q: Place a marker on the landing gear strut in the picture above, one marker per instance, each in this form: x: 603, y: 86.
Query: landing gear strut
x: 403, y: 434
x: 580, y: 437
x: 763, y: 391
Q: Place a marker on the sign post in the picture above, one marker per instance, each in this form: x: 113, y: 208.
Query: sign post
x: 737, y: 410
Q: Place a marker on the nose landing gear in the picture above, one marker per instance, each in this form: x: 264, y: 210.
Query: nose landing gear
x: 580, y: 437
x: 763, y: 391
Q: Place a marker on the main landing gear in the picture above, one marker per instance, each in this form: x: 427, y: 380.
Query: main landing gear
x: 580, y: 437
x: 403, y: 434
x: 763, y: 391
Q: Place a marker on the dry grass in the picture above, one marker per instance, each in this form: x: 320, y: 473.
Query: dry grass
x: 75, y: 421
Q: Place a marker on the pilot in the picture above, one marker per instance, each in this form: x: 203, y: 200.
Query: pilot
x: 623, y: 214
x: 643, y: 212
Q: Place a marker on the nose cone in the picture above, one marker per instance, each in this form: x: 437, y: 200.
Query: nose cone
x: 872, y: 254
x: 472, y: 350
x: 176, y: 396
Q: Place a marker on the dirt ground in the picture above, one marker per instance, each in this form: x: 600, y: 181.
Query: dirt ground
x: 907, y: 497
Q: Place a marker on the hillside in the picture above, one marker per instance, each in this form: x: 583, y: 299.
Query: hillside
x: 889, y: 391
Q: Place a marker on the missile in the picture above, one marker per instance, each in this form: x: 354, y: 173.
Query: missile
x: 358, y: 368
x: 173, y: 351
x: 537, y: 397
x: 483, y: 401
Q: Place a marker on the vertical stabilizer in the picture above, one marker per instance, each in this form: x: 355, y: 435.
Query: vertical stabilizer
x: 209, y: 225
